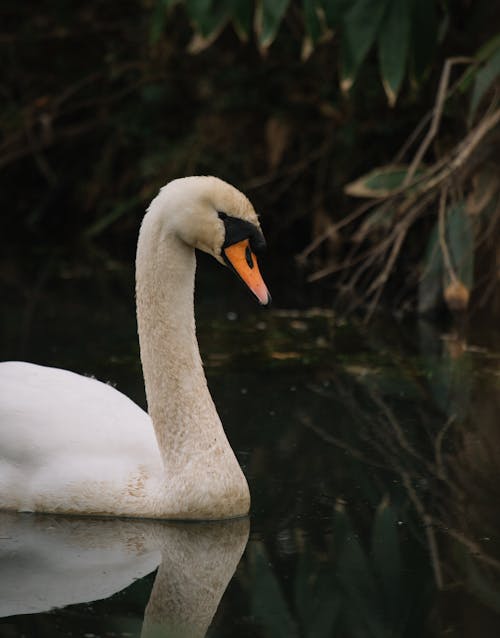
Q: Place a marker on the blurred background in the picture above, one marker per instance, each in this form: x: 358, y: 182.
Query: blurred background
x: 354, y: 127
x: 364, y: 406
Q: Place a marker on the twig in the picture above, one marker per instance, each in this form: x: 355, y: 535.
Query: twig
x: 442, y: 236
x: 329, y: 438
x: 400, y: 233
x: 436, y: 118
x: 438, y: 448
x: 457, y: 158
x: 351, y: 261
x: 429, y: 530
x: 398, y: 432
x: 471, y: 545
x: 333, y: 228
x: 298, y: 167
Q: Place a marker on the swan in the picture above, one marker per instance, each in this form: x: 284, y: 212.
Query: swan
x: 70, y: 444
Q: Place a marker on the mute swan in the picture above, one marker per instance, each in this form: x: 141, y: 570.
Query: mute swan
x: 71, y: 444
x: 48, y: 562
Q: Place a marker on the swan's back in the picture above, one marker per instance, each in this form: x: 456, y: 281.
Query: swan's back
x: 56, y: 426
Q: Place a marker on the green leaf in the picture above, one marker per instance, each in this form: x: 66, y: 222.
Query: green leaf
x: 430, y: 288
x: 362, y: 602
x: 460, y: 240
x: 488, y: 49
x: 242, y: 11
x: 335, y: 10
x: 208, y: 16
x: 316, y: 598
x: 380, y: 182
x: 484, y: 80
x: 483, y: 54
x: 268, y: 17
x: 159, y: 18
x: 393, y: 43
x: 359, y: 29
x: 386, y: 554
x: 380, y: 220
x: 314, y: 24
x: 459, y: 237
x: 267, y: 601
x: 311, y: 19
x: 341, y: 526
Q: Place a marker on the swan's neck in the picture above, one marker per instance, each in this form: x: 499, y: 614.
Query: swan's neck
x: 201, y: 472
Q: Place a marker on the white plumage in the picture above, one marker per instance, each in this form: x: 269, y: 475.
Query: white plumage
x: 67, y: 440
x: 71, y: 444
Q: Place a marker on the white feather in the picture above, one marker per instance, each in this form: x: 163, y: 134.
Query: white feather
x: 71, y: 444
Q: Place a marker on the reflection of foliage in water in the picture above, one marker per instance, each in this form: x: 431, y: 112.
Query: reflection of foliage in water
x: 346, y: 588
x: 395, y: 432
x: 372, y: 457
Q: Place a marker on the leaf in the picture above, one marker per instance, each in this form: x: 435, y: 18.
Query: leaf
x: 460, y: 241
x: 335, y: 10
x: 341, y: 526
x: 431, y: 281
x: 242, y: 11
x: 484, y: 80
x: 268, y: 17
x: 393, y: 43
x: 380, y: 182
x: 488, y: 49
x: 459, y: 237
x: 359, y: 29
x: 356, y: 578
x: 379, y: 220
x: 267, y: 601
x: 158, y: 19
x: 316, y: 598
x: 386, y: 554
x: 209, y: 18
x: 311, y: 9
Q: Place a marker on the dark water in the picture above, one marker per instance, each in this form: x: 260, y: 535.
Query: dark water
x: 373, y: 459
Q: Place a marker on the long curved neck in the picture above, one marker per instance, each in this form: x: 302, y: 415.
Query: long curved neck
x: 176, y: 388
x: 201, y: 471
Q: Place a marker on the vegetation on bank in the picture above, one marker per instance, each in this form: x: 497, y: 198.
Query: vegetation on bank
x: 365, y: 131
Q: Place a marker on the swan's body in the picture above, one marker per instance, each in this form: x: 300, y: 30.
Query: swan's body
x: 74, y: 445
x: 71, y: 444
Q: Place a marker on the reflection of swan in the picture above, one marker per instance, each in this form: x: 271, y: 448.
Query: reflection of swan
x: 71, y: 444
x: 48, y: 562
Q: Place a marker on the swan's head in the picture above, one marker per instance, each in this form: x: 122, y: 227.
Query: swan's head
x: 213, y: 216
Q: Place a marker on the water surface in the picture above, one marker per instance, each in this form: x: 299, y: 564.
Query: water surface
x: 373, y: 459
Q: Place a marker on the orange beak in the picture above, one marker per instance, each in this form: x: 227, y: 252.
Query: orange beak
x: 240, y: 258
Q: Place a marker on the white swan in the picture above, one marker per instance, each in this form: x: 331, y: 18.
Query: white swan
x: 70, y: 444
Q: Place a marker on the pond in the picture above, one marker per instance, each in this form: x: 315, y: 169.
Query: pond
x: 372, y: 455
